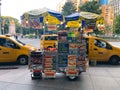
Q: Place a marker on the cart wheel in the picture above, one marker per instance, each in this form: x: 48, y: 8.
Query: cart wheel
x: 40, y: 77
x: 72, y: 77
x: 34, y: 76
x: 80, y: 72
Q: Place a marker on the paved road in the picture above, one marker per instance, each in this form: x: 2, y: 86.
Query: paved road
x: 36, y: 42
x: 100, y: 77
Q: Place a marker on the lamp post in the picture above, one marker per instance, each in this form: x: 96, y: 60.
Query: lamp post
x: 0, y: 19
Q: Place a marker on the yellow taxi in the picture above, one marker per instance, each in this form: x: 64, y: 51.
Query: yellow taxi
x: 101, y: 50
x: 13, y: 50
x: 48, y: 41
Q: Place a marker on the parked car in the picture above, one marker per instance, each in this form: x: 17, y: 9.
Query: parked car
x: 48, y: 41
x: 102, y: 51
x: 13, y: 50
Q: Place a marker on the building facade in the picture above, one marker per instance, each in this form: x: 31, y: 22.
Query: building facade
x: 116, y: 5
x: 108, y: 14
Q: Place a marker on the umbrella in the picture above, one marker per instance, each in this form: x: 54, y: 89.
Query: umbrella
x: 43, y: 15
x: 83, y: 19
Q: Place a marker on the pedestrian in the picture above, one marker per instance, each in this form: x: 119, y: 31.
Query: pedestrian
x: 16, y: 36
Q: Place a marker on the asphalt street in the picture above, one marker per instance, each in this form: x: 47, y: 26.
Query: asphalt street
x: 36, y: 42
x: 100, y: 77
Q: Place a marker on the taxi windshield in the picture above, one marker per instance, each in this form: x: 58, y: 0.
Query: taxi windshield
x: 51, y: 38
x: 18, y: 41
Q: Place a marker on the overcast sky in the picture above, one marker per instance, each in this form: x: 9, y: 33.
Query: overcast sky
x: 16, y: 8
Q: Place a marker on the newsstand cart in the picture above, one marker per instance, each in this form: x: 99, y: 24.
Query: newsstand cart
x: 69, y: 57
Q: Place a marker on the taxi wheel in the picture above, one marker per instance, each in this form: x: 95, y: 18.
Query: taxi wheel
x: 49, y: 47
x: 114, y: 60
x: 23, y: 60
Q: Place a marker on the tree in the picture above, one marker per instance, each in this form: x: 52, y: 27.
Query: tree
x: 117, y: 25
x: 98, y: 32
x: 5, y: 24
x: 108, y: 29
x: 68, y: 8
x: 91, y: 6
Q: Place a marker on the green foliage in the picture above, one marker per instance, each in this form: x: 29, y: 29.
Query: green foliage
x: 91, y: 6
x: 68, y: 8
x: 108, y: 28
x: 27, y: 31
x: 30, y: 36
x: 98, y: 32
x: 6, y: 20
x: 60, y: 28
x: 117, y: 25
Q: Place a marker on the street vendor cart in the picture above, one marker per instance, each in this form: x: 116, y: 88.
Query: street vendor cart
x: 68, y: 56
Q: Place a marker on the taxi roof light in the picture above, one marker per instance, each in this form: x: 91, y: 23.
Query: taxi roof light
x: 8, y: 35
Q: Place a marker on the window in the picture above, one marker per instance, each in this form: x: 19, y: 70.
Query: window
x: 51, y: 38
x: 102, y: 44
x: 2, y: 41
x: 18, y: 41
x: 11, y: 44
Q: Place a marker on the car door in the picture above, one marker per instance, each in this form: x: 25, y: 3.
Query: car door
x: 7, y: 52
x: 100, y: 50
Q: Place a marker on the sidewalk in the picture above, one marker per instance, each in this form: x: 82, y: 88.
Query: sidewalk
x: 101, y: 77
